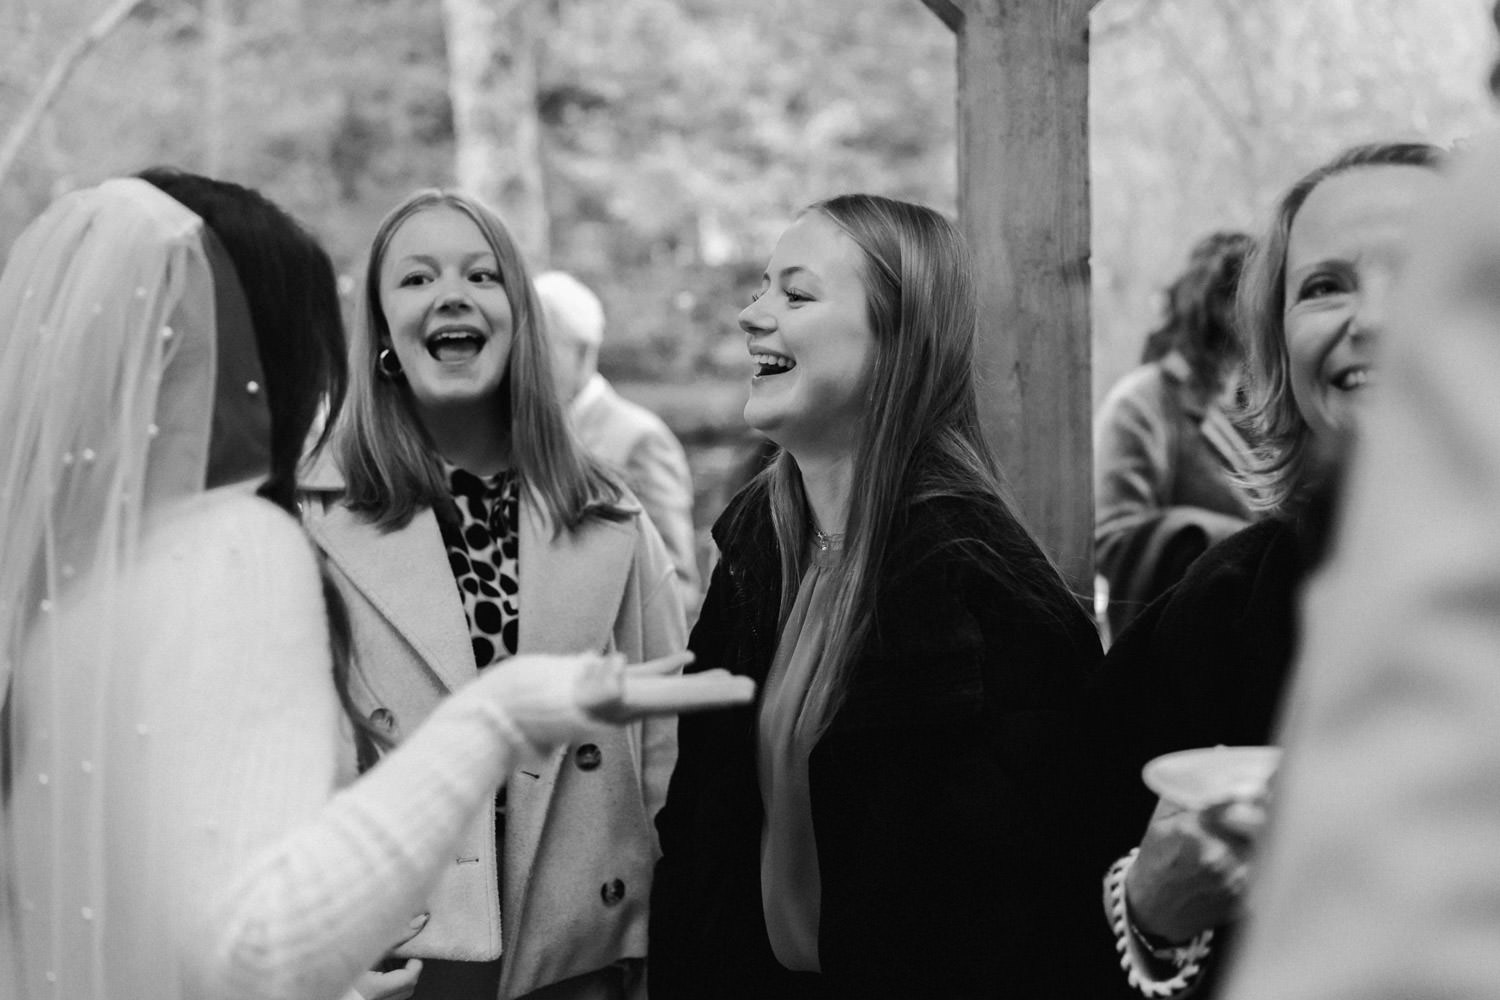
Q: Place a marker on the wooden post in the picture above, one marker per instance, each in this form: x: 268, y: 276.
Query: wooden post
x: 1023, y: 180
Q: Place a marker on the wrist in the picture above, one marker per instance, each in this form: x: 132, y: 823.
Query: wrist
x: 1156, y: 945
x: 1172, y: 972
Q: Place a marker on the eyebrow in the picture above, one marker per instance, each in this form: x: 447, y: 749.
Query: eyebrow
x: 787, y: 272
x: 431, y: 261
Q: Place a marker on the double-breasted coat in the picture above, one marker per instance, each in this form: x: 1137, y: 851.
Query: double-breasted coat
x: 567, y: 892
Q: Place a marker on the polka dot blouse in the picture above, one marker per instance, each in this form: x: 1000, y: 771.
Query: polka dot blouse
x: 483, y: 550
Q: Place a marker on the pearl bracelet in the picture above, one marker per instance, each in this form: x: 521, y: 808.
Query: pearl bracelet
x: 1188, y: 960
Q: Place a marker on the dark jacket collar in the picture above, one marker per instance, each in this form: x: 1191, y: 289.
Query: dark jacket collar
x: 746, y: 537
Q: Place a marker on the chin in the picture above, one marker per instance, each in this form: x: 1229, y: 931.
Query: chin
x: 758, y: 421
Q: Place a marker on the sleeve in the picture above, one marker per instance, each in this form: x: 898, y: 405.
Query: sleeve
x: 279, y: 891
x: 659, y: 475
x: 1133, y: 448
x: 674, y: 957
x: 1143, y: 542
x: 663, y: 632
x: 1381, y: 878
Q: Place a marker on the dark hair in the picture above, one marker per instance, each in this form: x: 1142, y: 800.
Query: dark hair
x: 290, y: 287
x: 1198, y: 311
x: 292, y: 292
x: 1286, y: 459
x: 923, y: 438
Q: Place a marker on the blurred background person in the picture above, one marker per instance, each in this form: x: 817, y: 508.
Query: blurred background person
x: 1208, y: 663
x: 1380, y: 879
x: 464, y: 525
x: 1168, y: 458
x: 628, y: 438
x: 890, y: 818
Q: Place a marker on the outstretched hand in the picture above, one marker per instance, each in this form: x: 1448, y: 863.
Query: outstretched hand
x: 658, y: 687
x: 555, y: 700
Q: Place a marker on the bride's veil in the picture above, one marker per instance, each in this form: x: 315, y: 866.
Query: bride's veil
x: 106, y: 401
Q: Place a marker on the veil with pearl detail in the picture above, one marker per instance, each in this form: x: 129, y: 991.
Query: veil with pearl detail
x: 107, y: 378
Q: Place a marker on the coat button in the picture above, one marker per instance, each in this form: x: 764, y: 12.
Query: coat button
x: 383, y: 720
x: 612, y: 892
x: 588, y: 757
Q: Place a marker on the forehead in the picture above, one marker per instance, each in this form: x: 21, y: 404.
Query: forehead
x: 1364, y: 210
x: 434, y: 231
x: 817, y: 243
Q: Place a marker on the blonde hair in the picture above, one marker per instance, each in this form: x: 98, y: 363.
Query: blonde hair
x: 1286, y: 456
x: 390, y: 466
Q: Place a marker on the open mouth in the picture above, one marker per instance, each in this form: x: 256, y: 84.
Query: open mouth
x: 1351, y: 379
x: 771, y: 364
x: 452, y: 345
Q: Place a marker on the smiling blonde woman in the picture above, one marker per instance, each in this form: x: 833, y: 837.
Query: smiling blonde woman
x: 463, y: 525
x: 886, y: 820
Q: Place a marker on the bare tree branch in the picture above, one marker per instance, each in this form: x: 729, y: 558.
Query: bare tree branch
x: 1182, y: 56
x: 1122, y: 23
x: 57, y: 76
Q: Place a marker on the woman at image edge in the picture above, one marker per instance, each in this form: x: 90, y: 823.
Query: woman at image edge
x: 884, y: 821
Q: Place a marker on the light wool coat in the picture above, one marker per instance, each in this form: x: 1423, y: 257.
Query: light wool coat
x: 569, y: 895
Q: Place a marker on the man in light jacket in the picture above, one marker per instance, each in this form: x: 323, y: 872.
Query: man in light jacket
x: 629, y: 438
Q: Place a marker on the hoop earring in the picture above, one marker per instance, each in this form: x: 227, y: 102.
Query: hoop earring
x: 387, y: 363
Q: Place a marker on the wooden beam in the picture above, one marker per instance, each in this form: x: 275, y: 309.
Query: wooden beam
x: 948, y: 12
x: 1024, y: 207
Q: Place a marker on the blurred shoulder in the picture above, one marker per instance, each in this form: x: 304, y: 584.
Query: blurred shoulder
x: 230, y: 523
x: 942, y: 527
x: 1265, y: 558
x: 1147, y: 385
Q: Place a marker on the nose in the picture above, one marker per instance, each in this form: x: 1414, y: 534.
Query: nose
x: 756, y: 319
x: 453, y: 296
x: 1370, y: 310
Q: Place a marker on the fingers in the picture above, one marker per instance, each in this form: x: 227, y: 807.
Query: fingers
x: 398, y: 984
x: 415, y: 927
x: 1242, y: 819
x: 661, y: 666
x: 1165, y: 808
x: 600, y: 685
x: 710, y: 689
x: 401, y: 983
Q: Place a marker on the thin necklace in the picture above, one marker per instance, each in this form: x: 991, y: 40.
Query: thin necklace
x: 826, y: 542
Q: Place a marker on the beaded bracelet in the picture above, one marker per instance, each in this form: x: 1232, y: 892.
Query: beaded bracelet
x: 1188, y: 959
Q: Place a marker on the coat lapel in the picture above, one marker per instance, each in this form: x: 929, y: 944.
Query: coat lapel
x: 405, y: 575
x: 571, y: 588
x: 571, y: 584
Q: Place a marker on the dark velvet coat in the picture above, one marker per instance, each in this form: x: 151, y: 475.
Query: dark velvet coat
x: 1205, y: 664
x: 940, y: 792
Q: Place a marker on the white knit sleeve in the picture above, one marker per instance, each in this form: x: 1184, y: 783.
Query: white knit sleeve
x: 285, y: 889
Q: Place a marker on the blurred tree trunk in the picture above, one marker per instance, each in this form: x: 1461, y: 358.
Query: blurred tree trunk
x: 57, y: 76
x: 492, y: 73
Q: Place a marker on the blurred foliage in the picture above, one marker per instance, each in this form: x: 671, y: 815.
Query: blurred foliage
x: 680, y: 135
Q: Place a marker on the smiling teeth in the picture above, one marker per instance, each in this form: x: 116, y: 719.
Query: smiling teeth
x: 772, y: 364
x: 1355, y: 379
